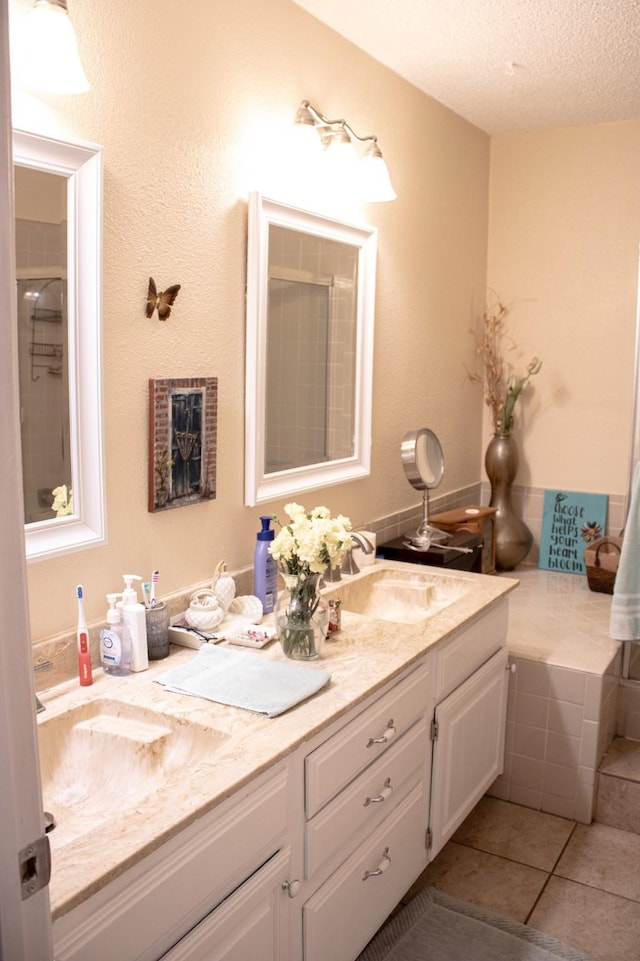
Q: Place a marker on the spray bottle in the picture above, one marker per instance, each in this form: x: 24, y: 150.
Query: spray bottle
x: 134, y: 617
x: 115, y: 642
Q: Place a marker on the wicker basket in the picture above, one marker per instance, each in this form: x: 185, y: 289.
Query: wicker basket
x: 601, y: 559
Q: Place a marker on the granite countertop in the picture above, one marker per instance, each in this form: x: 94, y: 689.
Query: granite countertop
x: 556, y: 619
x: 363, y: 657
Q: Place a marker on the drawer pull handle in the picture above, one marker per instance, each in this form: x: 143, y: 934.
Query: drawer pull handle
x: 382, y: 867
x: 388, y: 734
x: 291, y: 887
x: 387, y: 791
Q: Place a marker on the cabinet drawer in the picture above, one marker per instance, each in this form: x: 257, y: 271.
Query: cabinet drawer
x: 333, y: 833
x: 347, y: 910
x: 458, y: 659
x: 342, y: 757
x: 171, y: 890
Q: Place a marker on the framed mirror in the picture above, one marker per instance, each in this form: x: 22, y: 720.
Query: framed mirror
x: 58, y: 210
x: 309, y: 353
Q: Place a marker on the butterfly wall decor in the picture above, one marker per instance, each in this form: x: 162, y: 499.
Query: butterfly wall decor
x: 163, y: 301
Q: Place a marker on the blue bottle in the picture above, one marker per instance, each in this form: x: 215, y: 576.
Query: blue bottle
x: 265, y: 572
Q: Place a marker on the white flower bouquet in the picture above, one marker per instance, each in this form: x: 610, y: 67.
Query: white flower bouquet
x: 312, y: 541
x: 303, y: 549
x: 62, y: 501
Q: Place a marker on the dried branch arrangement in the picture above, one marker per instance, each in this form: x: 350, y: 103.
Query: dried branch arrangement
x: 501, y: 385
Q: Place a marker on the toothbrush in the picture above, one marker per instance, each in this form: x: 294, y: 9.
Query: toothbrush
x: 155, y: 577
x: 146, y: 587
x: 84, y: 656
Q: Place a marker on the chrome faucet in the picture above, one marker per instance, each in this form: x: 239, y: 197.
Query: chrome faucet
x: 42, y: 666
x: 349, y: 565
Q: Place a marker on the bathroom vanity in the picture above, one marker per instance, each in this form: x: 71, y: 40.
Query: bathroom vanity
x: 299, y: 834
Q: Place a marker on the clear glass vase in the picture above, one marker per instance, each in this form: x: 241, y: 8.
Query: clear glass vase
x: 301, y: 616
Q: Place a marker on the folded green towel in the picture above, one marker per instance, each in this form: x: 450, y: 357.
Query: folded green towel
x: 244, y: 679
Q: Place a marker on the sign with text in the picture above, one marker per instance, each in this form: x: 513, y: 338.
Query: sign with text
x: 570, y: 522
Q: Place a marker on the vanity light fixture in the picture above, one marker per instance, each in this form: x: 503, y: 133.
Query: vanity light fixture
x: 48, y: 59
x: 337, y: 138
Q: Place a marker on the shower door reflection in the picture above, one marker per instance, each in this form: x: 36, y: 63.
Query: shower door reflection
x: 310, y: 390
x: 44, y: 392
x: 297, y: 361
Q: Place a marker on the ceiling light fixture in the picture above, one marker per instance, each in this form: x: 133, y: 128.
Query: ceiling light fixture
x: 48, y: 57
x: 369, y: 173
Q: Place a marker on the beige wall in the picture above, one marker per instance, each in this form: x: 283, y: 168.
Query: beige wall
x: 191, y: 102
x: 564, y: 231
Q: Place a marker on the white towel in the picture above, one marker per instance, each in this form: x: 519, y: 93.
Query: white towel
x: 244, y: 679
x: 625, y: 606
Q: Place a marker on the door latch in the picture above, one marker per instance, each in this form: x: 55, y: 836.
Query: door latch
x: 35, y: 866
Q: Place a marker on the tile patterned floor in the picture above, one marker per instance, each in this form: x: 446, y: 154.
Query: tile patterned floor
x: 579, y: 883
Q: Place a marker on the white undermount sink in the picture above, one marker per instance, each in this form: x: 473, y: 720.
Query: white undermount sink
x: 105, y: 756
x: 403, y: 597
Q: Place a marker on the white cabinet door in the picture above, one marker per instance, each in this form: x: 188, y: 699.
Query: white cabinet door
x: 469, y: 748
x: 251, y: 925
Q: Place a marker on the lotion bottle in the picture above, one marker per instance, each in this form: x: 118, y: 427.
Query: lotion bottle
x: 115, y: 642
x: 133, y: 615
x: 265, y: 572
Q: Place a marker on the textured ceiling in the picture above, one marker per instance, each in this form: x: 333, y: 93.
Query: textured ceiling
x: 505, y: 65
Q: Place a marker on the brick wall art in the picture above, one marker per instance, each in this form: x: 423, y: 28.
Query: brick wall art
x: 183, y: 418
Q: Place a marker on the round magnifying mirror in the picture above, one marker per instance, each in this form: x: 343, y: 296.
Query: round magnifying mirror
x: 423, y: 463
x: 422, y: 459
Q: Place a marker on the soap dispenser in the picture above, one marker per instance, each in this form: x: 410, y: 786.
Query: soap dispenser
x: 265, y: 572
x: 133, y: 614
x: 115, y: 642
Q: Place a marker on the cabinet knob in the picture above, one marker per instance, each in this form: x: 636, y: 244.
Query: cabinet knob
x: 386, y: 736
x: 512, y: 668
x: 291, y: 887
x: 387, y: 791
x: 382, y: 867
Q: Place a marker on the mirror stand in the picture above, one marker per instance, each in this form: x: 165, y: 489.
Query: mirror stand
x: 423, y: 463
x: 426, y: 535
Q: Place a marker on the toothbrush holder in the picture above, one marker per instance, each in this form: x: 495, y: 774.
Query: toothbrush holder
x: 157, y: 631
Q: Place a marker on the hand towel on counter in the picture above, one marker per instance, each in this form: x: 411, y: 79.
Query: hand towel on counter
x: 625, y: 606
x: 244, y: 679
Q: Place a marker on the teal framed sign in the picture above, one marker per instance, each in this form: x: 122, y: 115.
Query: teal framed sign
x: 570, y: 522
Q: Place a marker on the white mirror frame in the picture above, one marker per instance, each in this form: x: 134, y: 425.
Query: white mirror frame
x: 81, y: 164
x: 259, y: 485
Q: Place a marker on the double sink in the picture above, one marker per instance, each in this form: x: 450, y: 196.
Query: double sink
x: 105, y: 755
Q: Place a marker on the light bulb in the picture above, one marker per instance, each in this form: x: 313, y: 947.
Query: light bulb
x: 47, y: 59
x: 373, y: 177
x: 340, y: 159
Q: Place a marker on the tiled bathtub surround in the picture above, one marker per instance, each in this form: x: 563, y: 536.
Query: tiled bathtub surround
x: 562, y: 699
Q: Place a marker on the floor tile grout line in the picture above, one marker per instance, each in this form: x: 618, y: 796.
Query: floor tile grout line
x: 537, y: 899
x: 551, y: 873
x: 565, y: 846
x: 592, y: 887
x: 620, y: 777
x: 513, y: 860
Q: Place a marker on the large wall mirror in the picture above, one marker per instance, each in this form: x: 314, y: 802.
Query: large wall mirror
x: 58, y: 210
x: 310, y: 316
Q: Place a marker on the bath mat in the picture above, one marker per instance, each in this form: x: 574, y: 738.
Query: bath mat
x: 435, y: 927
x: 244, y: 679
